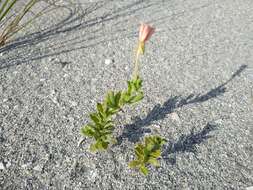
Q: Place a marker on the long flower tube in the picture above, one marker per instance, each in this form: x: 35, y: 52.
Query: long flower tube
x: 145, y: 32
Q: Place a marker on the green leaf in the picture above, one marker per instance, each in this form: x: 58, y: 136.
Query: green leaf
x: 88, y: 131
x: 108, y: 100
x: 129, y: 87
x: 126, y: 97
x: 102, y: 116
x: 99, y: 145
x: 134, y: 164
x: 139, y: 151
x: 137, y: 98
x: 156, y: 154
x: 147, y: 153
x: 109, y: 127
x: 144, y: 170
x: 94, y: 117
x: 117, y: 98
x: 102, y: 130
x: 154, y: 162
x: 138, y: 83
x: 104, y: 144
x: 100, y: 108
x: 111, y: 98
x: 114, y: 110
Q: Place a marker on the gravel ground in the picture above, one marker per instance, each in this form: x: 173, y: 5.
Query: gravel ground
x: 197, y: 95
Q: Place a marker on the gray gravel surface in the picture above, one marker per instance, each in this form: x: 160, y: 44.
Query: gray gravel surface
x: 197, y: 84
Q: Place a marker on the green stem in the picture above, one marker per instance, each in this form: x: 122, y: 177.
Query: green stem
x: 136, y: 65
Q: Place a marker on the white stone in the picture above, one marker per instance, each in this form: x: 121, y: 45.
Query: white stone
x: 108, y: 61
x: 73, y: 103
x: 174, y: 116
x: 157, y: 126
x: 26, y: 165
x: 2, y: 166
x: 8, y: 164
x: 38, y: 168
x: 92, y: 175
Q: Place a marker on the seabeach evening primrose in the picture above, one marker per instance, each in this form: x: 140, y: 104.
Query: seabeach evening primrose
x: 101, y: 126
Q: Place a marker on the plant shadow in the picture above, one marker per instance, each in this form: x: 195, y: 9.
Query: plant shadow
x: 74, y: 22
x: 135, y: 131
x: 86, y: 25
x: 187, y: 143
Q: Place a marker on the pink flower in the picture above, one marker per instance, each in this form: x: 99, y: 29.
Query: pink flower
x: 145, y: 32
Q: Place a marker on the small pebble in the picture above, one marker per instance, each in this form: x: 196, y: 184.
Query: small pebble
x: 108, y: 61
x: 26, y: 165
x: 2, y: 166
x: 174, y: 116
x: 217, y: 122
x: 73, y: 104
x: 92, y: 175
x: 38, y: 168
x: 157, y: 126
x: 8, y: 164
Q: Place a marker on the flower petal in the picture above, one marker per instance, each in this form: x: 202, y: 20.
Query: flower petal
x: 145, y: 32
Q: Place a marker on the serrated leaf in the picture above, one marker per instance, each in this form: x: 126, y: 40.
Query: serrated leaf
x: 129, y: 87
x: 137, y: 98
x: 148, y: 140
x: 100, y: 108
x: 156, y: 154
x: 154, y: 162
x: 103, y: 127
x: 88, y: 131
x: 139, y: 151
x: 134, y: 164
x: 148, y: 152
x: 104, y: 144
x: 105, y: 134
x: 111, y: 97
x: 109, y: 127
x: 117, y: 98
x: 100, y: 145
x: 163, y: 142
x: 102, y: 116
x: 144, y: 170
x: 94, y: 117
x: 114, y: 110
x: 108, y: 99
x: 137, y: 83
x: 126, y: 98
